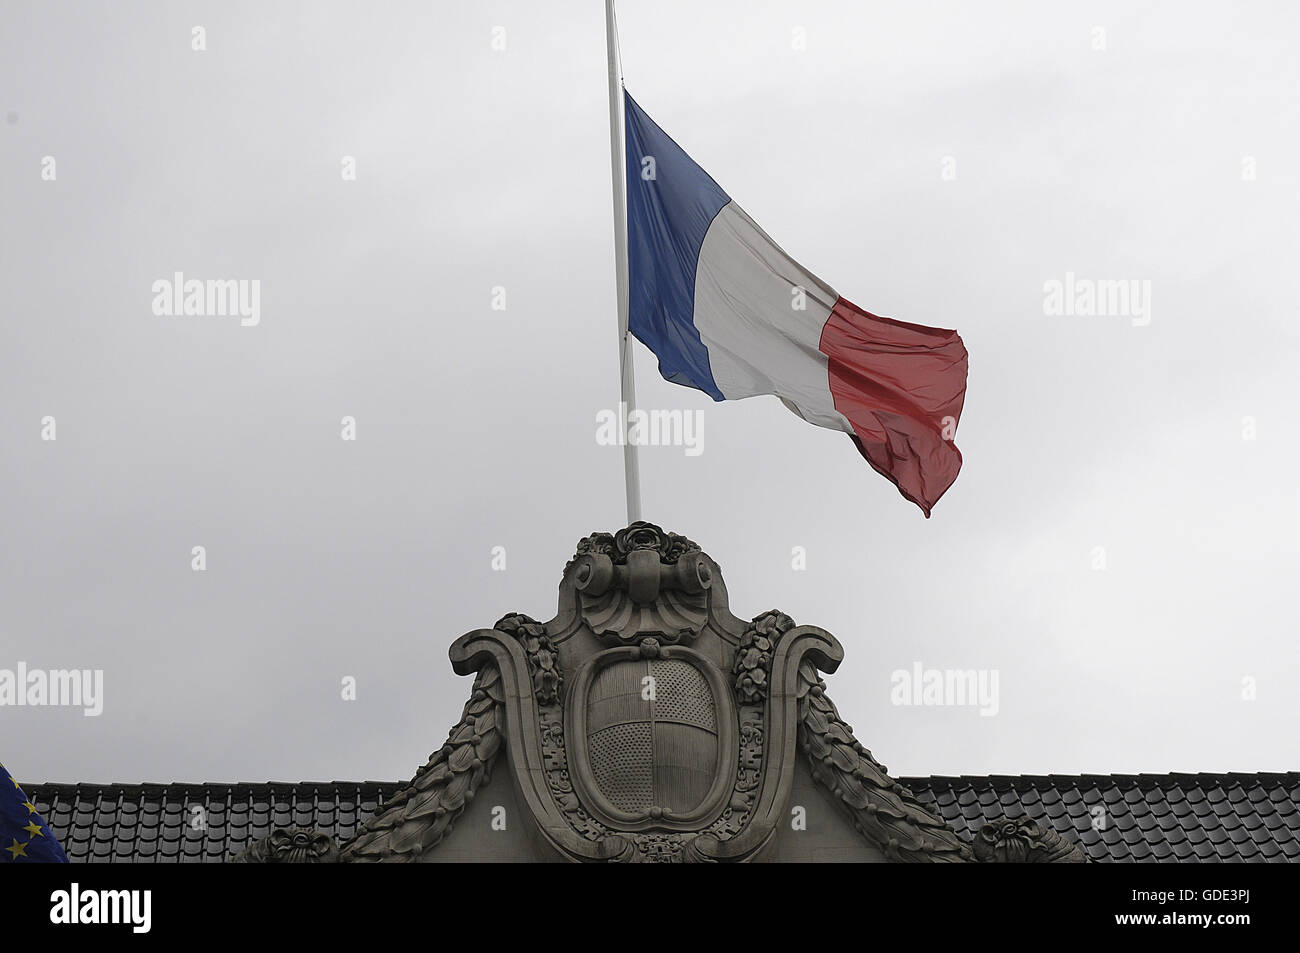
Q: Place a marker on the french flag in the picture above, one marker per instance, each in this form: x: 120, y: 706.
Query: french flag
x: 728, y: 312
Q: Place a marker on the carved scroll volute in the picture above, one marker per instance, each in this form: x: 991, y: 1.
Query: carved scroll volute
x: 644, y: 596
x: 523, y: 738
x: 643, y: 575
x: 825, y: 651
x: 593, y: 574
x: 691, y: 574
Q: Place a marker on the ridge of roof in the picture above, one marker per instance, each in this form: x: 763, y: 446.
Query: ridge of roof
x: 1143, y: 780
x: 137, y: 787
x: 938, y: 782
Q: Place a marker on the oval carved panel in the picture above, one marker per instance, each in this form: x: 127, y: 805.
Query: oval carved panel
x: 653, y: 739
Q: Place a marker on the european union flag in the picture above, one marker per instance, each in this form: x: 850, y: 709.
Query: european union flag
x: 24, y: 835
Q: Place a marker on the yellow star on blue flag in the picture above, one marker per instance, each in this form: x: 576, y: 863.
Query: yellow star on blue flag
x: 24, y: 835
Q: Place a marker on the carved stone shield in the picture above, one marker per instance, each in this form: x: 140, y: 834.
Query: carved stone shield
x: 653, y: 738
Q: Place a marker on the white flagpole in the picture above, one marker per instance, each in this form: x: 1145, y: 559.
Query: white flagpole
x: 632, y: 474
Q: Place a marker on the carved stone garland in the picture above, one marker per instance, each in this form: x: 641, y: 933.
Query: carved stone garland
x: 751, y: 669
x: 417, y: 818
x: 881, y: 809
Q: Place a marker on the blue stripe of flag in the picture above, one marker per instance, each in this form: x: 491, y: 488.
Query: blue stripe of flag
x: 667, y: 218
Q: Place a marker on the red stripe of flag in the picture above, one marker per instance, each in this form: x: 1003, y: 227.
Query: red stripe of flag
x: 901, y: 386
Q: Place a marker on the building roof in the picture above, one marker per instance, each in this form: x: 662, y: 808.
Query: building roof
x: 1135, y: 817
x: 1143, y: 817
x: 170, y: 823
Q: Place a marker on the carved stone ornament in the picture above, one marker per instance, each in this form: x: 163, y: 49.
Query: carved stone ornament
x: 754, y: 654
x: 1022, y: 840
x: 291, y: 845
x: 642, y: 582
x: 646, y: 723
x: 419, y: 816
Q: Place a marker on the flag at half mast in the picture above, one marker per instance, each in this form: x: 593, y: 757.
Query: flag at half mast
x: 728, y: 312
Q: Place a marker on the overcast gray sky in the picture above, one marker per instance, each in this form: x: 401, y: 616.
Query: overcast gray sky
x: 934, y: 162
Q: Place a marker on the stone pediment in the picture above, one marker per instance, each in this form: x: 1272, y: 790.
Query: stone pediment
x: 646, y: 722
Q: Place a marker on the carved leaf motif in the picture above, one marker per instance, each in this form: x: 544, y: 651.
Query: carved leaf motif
x: 754, y: 654
x: 421, y: 815
x: 881, y: 809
